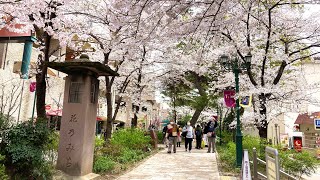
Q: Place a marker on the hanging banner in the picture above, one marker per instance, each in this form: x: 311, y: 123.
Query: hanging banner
x: 32, y: 86
x: 245, y: 101
x: 229, y: 98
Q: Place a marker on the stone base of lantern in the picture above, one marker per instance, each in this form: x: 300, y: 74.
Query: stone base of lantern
x: 62, y: 176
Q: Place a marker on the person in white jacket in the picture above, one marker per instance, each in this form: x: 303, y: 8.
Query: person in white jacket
x: 189, y: 137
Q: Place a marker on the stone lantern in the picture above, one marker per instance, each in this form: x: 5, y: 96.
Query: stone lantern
x: 77, y: 133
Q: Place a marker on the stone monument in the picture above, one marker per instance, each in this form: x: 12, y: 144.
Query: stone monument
x: 77, y: 133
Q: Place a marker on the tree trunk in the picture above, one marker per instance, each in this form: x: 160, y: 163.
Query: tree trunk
x: 196, y: 115
x: 41, y: 95
x: 41, y: 79
x: 107, y: 126
x: 134, y: 120
x: 263, y: 124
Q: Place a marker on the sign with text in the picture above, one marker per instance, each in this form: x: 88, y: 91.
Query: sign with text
x: 317, y: 124
x: 271, y: 169
x: 246, y: 173
x: 229, y: 98
x: 245, y: 101
x: 272, y: 161
x: 297, y: 143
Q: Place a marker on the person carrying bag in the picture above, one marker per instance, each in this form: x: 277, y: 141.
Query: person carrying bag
x: 210, y: 130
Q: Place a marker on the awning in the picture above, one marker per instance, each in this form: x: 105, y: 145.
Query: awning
x: 166, y: 121
x: 57, y: 112
x: 101, y: 118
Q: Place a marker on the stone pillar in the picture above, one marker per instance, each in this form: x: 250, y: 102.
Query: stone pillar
x: 77, y: 133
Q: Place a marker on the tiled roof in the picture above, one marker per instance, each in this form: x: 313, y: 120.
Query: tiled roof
x: 307, y: 119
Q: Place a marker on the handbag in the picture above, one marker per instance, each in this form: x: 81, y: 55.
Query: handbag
x: 210, y: 134
x: 202, y: 144
x: 174, y: 134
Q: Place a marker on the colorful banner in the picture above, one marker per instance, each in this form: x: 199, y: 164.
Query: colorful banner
x: 229, y: 98
x: 32, y: 86
x: 245, y: 101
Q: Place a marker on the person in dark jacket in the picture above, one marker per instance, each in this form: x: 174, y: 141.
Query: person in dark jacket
x: 198, y: 133
x: 211, y: 135
x: 164, y: 131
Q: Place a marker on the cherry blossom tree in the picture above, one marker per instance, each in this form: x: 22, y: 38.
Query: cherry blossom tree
x: 46, y: 19
x: 277, y: 34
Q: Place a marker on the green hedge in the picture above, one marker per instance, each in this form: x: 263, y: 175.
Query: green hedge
x: 24, y: 147
x: 293, y: 162
x: 132, y: 138
x: 126, y: 147
x: 103, y: 164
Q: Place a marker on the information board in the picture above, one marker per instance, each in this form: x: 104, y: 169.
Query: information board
x: 272, y: 161
x: 317, y: 124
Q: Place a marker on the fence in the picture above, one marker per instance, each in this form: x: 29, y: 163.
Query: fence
x: 259, y: 175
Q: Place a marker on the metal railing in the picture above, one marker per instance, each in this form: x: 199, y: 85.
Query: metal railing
x: 259, y: 175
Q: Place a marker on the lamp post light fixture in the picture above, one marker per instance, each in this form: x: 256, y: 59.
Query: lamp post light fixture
x: 235, y: 66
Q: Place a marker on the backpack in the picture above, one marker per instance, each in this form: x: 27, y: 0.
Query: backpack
x: 211, y: 126
x: 198, y: 133
x: 184, y: 134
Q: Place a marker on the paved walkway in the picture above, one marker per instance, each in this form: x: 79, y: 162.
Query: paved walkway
x: 313, y: 176
x: 197, y: 165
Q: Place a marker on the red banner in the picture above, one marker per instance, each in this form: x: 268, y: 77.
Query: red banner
x: 229, y: 98
x: 32, y: 86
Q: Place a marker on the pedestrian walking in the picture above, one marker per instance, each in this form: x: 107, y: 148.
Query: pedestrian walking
x: 211, y: 135
x: 164, y: 132
x: 172, y: 134
x: 179, y: 137
x: 189, y: 136
x: 198, y: 133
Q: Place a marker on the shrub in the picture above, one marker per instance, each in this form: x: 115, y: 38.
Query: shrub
x: 298, y: 163
x: 4, y: 122
x: 112, y: 150
x: 24, y: 147
x: 227, y: 155
x: 250, y: 142
x: 129, y: 155
x: 103, y: 164
x: 226, y: 136
x: 98, y: 146
x: 3, y: 174
x: 132, y: 138
x: 160, y: 136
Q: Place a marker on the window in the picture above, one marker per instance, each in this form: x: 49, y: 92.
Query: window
x: 75, y: 92
x: 93, y: 91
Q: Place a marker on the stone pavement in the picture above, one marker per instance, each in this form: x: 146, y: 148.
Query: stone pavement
x: 313, y: 176
x: 197, y: 165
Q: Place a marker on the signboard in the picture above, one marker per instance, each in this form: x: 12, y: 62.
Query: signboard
x: 317, y: 124
x: 297, y: 143
x: 245, y: 101
x: 271, y: 168
x: 246, y: 173
x: 272, y: 161
x: 229, y: 98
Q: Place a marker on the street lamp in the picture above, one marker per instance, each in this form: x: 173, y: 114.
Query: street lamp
x: 235, y: 66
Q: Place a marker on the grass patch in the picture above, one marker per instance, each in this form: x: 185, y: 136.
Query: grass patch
x: 127, y: 147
